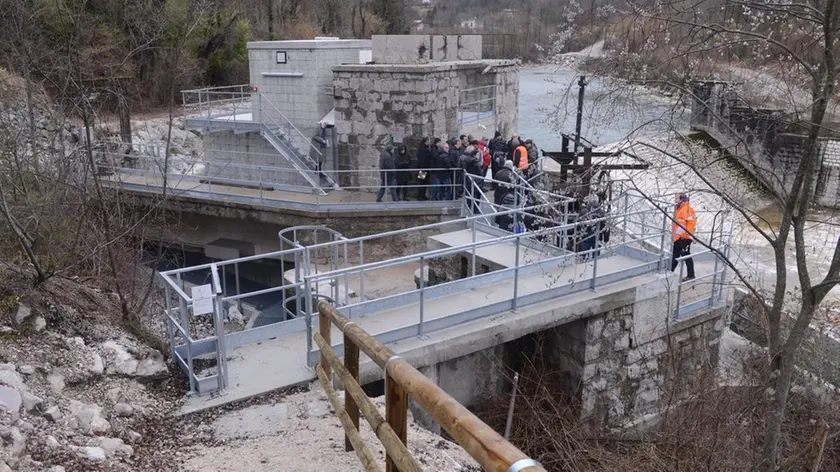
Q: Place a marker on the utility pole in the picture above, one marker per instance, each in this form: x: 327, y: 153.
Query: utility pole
x: 579, y: 121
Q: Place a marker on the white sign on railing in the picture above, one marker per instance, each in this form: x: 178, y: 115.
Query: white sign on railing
x: 202, y: 299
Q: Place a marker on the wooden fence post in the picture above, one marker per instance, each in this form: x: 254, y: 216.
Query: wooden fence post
x: 325, y: 328
x: 396, y: 413
x: 351, y: 362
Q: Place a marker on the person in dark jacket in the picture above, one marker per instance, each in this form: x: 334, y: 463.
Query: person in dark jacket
x: 402, y: 166
x: 470, y: 163
x: 455, y: 151
x: 498, y: 154
x: 442, y: 177
x: 424, y: 161
x: 533, y: 156
x: 386, y: 174
x: 505, y: 195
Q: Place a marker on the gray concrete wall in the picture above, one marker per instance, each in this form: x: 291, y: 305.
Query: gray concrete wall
x: 421, y: 49
x: 225, y: 147
x: 299, y: 89
x: 372, y: 100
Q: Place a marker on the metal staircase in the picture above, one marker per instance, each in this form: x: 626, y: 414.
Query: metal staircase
x: 293, y: 145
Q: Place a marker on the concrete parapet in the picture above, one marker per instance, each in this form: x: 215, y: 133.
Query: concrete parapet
x: 419, y: 49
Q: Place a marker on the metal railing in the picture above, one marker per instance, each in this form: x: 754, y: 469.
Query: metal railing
x: 403, y: 382
x: 205, y: 101
x: 526, y: 269
x: 266, y: 184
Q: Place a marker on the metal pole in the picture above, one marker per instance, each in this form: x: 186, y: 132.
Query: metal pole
x: 472, y: 223
x: 595, y: 252
x: 346, y: 276
x: 679, y: 292
x: 238, y: 291
x: 170, y: 332
x: 420, y: 332
x: 511, y: 406
x: 626, y: 211
x: 661, y: 265
x: 362, y: 271
x: 579, y: 118
x: 259, y: 173
x: 516, y: 273
x: 308, y: 301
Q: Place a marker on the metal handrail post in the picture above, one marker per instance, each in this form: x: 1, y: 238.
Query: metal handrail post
x: 516, y: 273
x: 307, y: 288
x: 624, y: 223
x: 420, y: 332
x: 362, y: 272
x: 679, y: 292
x: 259, y: 173
x: 238, y: 290
x: 595, y: 257
x: 661, y: 265
x: 473, y: 248
x: 170, y: 332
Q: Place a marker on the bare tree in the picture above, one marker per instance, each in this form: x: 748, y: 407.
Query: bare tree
x: 672, y: 44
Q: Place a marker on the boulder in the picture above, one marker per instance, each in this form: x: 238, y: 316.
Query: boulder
x: 95, y: 454
x: 56, y: 382
x: 10, y: 378
x: 10, y: 399
x: 88, y: 418
x: 115, y: 447
x: 52, y: 414
x: 51, y: 442
x: 126, y: 358
x: 22, y: 312
x: 13, y: 441
x: 7, y: 366
x: 25, y: 426
x: 134, y: 437
x: 39, y: 324
x: 123, y: 409
x: 31, y: 401
x: 27, y: 369
x: 4, y: 467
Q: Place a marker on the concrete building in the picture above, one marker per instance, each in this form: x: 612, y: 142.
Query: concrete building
x: 317, y: 113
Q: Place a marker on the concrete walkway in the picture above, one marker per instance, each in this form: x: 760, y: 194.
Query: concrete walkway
x: 281, y: 362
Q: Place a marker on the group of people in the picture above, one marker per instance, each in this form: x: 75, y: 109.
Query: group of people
x: 438, y: 164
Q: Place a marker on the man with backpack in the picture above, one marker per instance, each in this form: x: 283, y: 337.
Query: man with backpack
x: 685, y: 224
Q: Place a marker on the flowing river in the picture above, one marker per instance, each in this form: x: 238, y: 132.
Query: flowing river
x: 612, y: 110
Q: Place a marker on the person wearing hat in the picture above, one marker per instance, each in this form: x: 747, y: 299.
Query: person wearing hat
x: 685, y: 224
x: 533, y: 155
x: 386, y: 174
x: 498, y: 154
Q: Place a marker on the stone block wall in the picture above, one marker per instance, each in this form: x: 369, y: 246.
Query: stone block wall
x: 758, y: 138
x: 624, y: 380
x: 226, y: 147
x: 421, y: 49
x: 372, y: 101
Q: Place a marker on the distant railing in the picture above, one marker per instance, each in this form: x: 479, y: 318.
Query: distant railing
x: 403, y: 382
x: 205, y: 101
x: 266, y: 184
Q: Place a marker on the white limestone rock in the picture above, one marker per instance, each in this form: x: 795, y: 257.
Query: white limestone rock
x: 39, y: 324
x: 12, y: 379
x: 134, y: 437
x: 56, y: 382
x: 115, y: 447
x: 126, y: 358
x: 52, y: 414
x: 123, y: 410
x: 51, y: 442
x: 10, y: 399
x: 88, y: 418
x: 27, y: 369
x: 21, y: 314
x: 14, y: 443
x: 93, y: 454
x: 31, y: 401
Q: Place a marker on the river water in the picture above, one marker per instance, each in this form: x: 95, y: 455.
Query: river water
x: 612, y: 110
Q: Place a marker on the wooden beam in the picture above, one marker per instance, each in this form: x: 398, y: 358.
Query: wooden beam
x: 396, y: 413
x: 485, y: 445
x: 325, y: 329
x: 390, y: 440
x: 362, y: 451
x: 351, y: 363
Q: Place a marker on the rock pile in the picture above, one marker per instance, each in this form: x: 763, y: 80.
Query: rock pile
x: 66, y: 399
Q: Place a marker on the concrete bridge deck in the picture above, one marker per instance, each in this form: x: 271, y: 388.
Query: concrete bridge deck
x: 278, y: 363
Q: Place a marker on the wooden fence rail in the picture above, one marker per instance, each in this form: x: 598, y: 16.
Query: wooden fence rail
x: 485, y: 445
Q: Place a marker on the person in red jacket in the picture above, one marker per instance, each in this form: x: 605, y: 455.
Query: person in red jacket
x: 685, y: 224
x: 484, y: 152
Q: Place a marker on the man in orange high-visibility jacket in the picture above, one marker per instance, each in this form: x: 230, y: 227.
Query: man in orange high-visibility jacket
x: 520, y: 155
x: 685, y: 224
